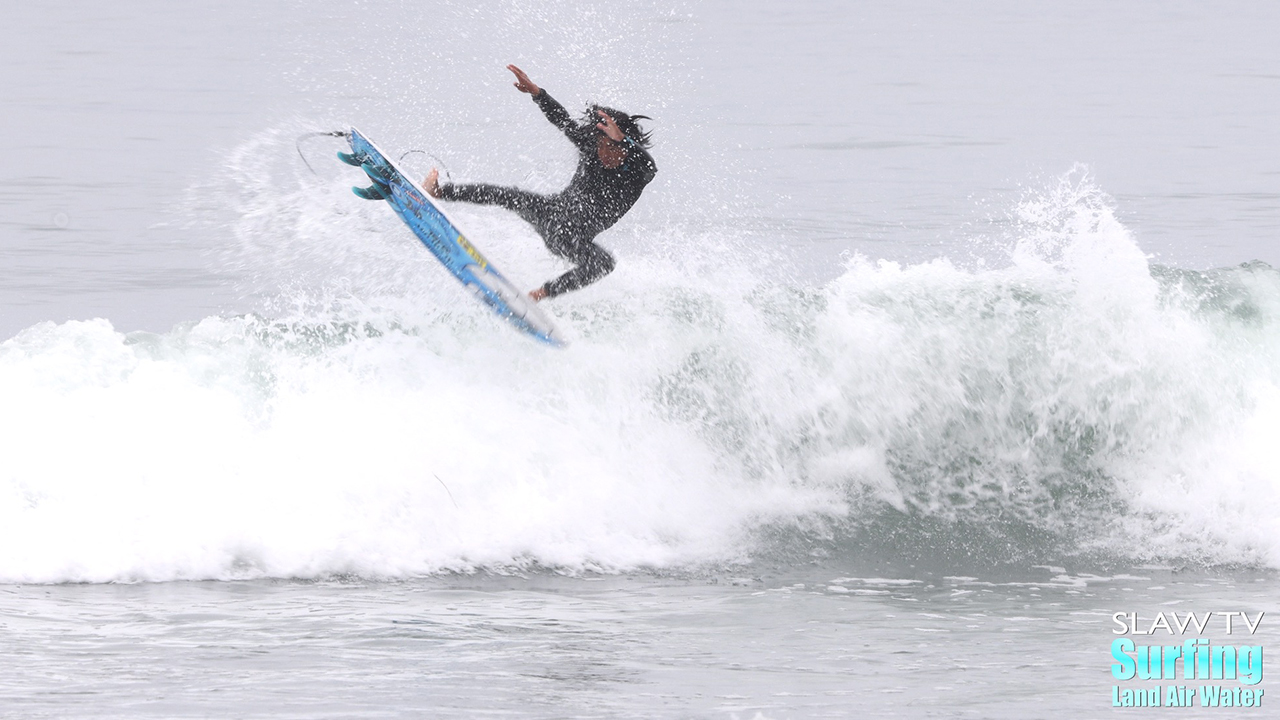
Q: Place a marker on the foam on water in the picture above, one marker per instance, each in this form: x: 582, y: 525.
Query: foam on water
x: 1073, y: 400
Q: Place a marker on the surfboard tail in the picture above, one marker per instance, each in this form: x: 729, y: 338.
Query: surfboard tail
x: 446, y: 242
x: 376, y: 174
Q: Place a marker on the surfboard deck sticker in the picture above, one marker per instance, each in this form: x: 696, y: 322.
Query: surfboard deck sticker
x: 445, y: 241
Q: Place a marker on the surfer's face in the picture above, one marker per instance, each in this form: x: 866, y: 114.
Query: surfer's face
x: 611, y: 153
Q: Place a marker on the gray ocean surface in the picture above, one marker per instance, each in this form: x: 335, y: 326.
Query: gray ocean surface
x: 944, y: 333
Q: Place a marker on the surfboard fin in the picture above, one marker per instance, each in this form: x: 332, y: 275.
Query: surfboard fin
x: 376, y: 175
x: 349, y: 159
x: 373, y: 192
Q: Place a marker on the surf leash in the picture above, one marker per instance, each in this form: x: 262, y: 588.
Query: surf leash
x: 298, y: 144
x: 448, y: 176
x: 446, y: 489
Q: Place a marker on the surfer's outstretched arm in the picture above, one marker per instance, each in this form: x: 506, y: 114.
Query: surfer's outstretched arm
x: 554, y: 111
x: 558, y: 116
x: 523, y: 83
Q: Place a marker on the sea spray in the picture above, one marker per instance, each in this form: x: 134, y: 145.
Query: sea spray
x: 1075, y: 399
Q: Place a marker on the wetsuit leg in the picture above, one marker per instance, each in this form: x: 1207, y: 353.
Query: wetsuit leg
x: 529, y: 206
x: 551, y: 219
x: 593, y: 262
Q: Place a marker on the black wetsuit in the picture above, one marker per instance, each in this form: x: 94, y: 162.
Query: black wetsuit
x: 569, y: 221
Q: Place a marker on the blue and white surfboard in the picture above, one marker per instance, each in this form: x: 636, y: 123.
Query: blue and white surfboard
x: 445, y: 241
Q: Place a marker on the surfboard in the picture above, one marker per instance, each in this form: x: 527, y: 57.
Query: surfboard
x: 443, y: 238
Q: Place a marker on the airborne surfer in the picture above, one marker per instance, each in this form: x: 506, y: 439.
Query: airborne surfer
x: 614, y: 166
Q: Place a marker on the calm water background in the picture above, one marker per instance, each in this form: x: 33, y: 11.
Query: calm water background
x: 597, y: 647
x: 151, y: 179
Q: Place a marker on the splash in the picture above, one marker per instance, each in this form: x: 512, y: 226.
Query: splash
x: 1075, y: 400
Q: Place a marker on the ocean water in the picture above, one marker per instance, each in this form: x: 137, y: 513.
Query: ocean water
x: 943, y: 335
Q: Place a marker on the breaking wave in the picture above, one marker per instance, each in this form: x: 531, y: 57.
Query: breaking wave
x: 1075, y: 401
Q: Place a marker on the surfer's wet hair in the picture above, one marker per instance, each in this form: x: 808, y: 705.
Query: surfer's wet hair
x: 626, y: 123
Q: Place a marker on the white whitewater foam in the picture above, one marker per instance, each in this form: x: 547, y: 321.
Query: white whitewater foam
x: 388, y: 426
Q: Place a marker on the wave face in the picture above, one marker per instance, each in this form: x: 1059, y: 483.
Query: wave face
x: 1075, y: 402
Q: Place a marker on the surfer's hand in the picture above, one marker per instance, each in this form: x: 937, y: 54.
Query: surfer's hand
x: 523, y: 83
x: 538, y: 294
x: 609, y: 127
x: 431, y: 183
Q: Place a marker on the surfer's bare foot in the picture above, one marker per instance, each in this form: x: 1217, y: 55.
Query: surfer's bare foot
x: 431, y: 183
x: 538, y: 294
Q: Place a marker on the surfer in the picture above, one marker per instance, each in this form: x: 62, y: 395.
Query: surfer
x: 613, y: 168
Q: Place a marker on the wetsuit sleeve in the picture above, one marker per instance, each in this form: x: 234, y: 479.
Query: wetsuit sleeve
x: 640, y: 163
x: 555, y: 113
